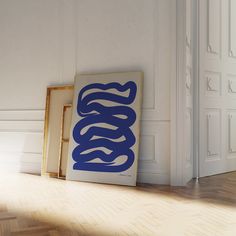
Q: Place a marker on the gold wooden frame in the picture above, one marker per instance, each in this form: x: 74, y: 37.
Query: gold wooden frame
x: 62, y: 140
x: 46, y: 125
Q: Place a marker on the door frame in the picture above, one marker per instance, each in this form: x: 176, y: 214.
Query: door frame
x: 196, y: 96
x: 178, y: 95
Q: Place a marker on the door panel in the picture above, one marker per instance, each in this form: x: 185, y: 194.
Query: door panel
x: 213, y: 135
x: 232, y: 28
x: 217, y: 86
x: 213, y: 26
x: 232, y: 133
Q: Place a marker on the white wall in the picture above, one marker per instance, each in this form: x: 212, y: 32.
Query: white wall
x: 47, y: 42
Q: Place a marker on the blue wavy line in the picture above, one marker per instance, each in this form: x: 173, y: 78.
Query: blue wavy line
x: 94, y: 113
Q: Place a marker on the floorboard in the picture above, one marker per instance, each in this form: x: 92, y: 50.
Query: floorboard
x: 38, y: 206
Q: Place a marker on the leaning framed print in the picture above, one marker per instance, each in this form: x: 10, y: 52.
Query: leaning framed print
x: 64, y: 140
x: 105, y: 129
x: 57, y: 96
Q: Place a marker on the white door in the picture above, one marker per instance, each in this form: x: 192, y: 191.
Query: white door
x: 217, y: 86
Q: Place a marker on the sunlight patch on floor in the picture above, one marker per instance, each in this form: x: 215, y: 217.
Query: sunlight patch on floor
x: 98, y: 209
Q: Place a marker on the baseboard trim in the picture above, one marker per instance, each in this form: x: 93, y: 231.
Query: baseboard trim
x: 154, y: 178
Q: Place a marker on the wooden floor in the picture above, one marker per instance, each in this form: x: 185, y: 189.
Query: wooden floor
x: 33, y: 205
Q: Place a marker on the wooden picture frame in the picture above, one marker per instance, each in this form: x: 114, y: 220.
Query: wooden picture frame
x: 57, y: 97
x: 64, y: 140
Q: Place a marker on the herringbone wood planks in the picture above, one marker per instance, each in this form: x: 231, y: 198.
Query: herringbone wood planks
x: 33, y: 205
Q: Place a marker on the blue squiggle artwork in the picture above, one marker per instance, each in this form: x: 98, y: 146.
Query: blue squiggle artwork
x: 89, y: 107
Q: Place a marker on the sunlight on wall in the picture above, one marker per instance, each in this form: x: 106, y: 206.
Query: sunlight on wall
x: 17, y: 152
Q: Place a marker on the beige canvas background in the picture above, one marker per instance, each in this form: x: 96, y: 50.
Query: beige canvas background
x: 129, y: 176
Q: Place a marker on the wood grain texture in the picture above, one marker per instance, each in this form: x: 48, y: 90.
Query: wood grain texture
x: 39, y: 206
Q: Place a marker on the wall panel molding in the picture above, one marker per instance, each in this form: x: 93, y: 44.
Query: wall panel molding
x: 155, y: 160
x: 232, y: 30
x: 188, y: 24
x: 21, y: 139
x: 21, y: 126
x: 22, y: 115
x: 213, y: 133
x: 213, y: 83
x: 232, y: 133
x: 152, y: 55
x: 147, y: 148
x: 161, y: 60
x: 231, y: 79
x: 188, y: 135
x: 214, y: 26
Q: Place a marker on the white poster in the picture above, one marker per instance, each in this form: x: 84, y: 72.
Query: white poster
x: 105, y: 129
